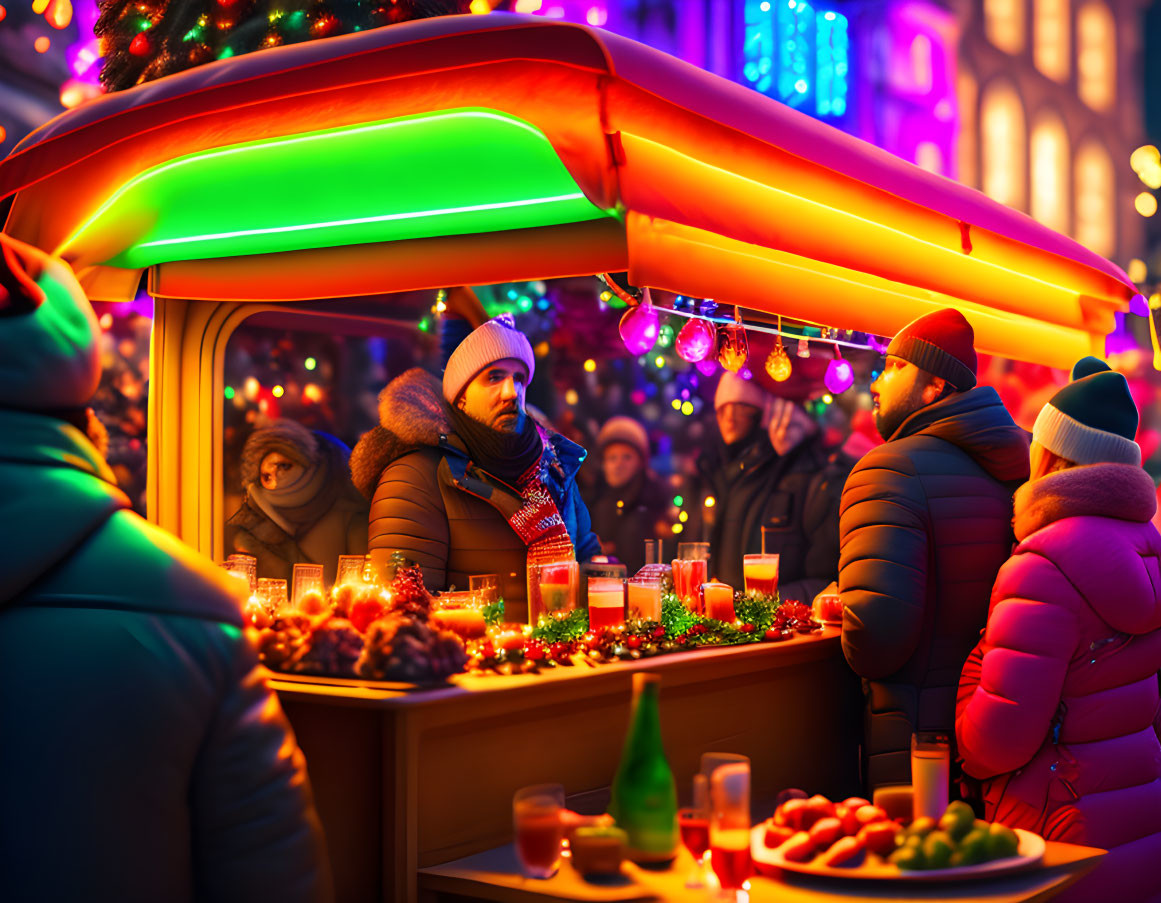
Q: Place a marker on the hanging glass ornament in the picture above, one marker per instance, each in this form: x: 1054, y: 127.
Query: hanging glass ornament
x: 695, y: 341
x: 839, y: 376
x: 804, y: 348
x: 733, y: 348
x: 778, y: 363
x: 707, y: 366
x: 639, y: 326
x: 665, y: 336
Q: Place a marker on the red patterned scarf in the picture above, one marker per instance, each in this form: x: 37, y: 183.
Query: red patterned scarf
x: 538, y: 522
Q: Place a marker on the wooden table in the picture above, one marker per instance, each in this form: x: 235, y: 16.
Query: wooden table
x: 494, y: 875
x: 403, y: 781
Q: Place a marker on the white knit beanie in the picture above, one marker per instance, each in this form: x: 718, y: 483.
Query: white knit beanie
x: 625, y: 430
x: 496, y: 340
x: 732, y: 388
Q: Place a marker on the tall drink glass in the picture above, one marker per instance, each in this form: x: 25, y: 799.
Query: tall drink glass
x: 606, y: 602
x: 719, y: 601
x: 645, y: 598
x: 539, y: 828
x: 552, y: 587
x: 761, y: 573
x: 688, y: 577
x: 930, y: 773
x: 730, y: 827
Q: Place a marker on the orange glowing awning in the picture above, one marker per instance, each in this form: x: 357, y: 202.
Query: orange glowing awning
x: 690, y: 182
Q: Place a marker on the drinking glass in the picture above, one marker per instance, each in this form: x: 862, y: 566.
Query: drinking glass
x: 694, y: 825
x: 761, y: 573
x: 350, y: 570
x: 693, y: 551
x: 897, y: 800
x: 539, y: 829
x: 273, y: 596
x: 552, y: 586
x: 688, y: 576
x: 711, y: 761
x: 606, y: 602
x: 486, y: 587
x: 829, y: 608
x: 719, y: 601
x: 730, y: 827
x: 645, y: 598
x: 304, y: 579
x: 930, y: 773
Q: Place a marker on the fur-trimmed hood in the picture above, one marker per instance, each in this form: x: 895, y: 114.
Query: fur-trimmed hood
x: 1121, y: 491
x: 412, y: 415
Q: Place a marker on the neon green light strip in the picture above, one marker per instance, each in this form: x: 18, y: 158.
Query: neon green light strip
x: 449, y: 173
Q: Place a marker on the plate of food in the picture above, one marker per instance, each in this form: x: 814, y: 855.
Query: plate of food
x: 854, y: 839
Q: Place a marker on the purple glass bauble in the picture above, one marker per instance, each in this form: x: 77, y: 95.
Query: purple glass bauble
x: 707, y: 366
x: 639, y: 327
x: 839, y: 376
x: 695, y: 341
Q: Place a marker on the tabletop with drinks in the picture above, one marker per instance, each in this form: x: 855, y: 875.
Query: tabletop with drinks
x: 909, y: 843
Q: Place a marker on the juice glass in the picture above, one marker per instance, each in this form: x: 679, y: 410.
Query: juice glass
x: 244, y: 566
x: 688, y: 576
x: 553, y: 586
x: 828, y: 608
x: 645, y: 598
x: 930, y: 774
x: 539, y: 829
x: 606, y: 602
x: 486, y: 587
x: 761, y: 573
x: 694, y: 826
x: 273, y: 595
x: 719, y: 601
x: 730, y: 827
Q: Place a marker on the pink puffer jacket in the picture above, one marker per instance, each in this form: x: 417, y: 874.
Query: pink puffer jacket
x: 1058, y: 704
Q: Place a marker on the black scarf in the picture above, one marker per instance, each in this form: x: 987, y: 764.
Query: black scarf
x: 506, y: 456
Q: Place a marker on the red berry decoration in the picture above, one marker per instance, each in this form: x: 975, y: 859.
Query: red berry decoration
x: 658, y: 632
x: 141, y: 45
x: 633, y: 642
x: 746, y: 628
x: 681, y: 640
x: 487, y: 650
x: 534, y: 651
x: 560, y: 651
x: 363, y: 612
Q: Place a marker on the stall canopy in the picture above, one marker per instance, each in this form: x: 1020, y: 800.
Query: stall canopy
x: 475, y: 149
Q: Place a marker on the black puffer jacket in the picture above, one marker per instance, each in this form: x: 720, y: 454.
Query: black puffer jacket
x: 624, y: 518
x: 142, y: 756
x: 925, y: 525
x: 795, y: 496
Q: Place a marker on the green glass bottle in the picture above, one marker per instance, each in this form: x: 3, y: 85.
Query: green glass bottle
x: 644, y: 798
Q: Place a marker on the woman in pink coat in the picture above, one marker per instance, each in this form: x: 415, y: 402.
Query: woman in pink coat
x: 1058, y: 708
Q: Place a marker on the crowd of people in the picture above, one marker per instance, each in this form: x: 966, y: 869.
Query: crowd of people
x: 1000, y: 588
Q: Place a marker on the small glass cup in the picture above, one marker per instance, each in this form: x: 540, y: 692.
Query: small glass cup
x: 305, y: 579
x: 606, y: 600
x: 897, y: 800
x: 273, y: 596
x: 828, y: 608
x: 761, y: 573
x: 930, y: 774
x: 693, y: 551
x: 711, y: 761
x: 553, y: 586
x: 539, y: 828
x: 729, y: 828
x: 486, y: 587
x: 719, y: 601
x: 350, y: 570
x: 644, y: 598
x: 461, y: 613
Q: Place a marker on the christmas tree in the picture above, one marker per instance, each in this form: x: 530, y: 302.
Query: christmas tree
x: 143, y: 40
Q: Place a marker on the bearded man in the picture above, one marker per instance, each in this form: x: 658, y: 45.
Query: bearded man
x: 462, y: 481
x: 924, y: 525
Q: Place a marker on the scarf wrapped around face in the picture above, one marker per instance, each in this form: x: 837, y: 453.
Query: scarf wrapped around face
x: 297, y: 507
x: 519, y: 460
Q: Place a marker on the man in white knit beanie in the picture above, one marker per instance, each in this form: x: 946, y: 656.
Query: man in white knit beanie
x: 463, y: 481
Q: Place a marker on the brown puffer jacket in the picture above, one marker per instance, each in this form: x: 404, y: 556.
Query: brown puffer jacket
x: 924, y: 525
x: 453, y: 525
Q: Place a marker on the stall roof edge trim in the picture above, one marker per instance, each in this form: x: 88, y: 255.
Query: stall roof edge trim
x: 344, y: 185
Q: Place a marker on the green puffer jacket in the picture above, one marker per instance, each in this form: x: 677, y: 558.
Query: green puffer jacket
x: 142, y: 756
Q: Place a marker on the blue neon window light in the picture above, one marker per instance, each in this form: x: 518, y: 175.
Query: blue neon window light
x: 797, y: 55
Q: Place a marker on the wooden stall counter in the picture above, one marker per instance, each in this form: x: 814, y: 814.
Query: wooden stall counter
x: 409, y: 780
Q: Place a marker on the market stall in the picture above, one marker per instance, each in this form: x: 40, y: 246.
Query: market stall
x: 254, y: 183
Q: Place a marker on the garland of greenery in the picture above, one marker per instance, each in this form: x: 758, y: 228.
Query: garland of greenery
x: 494, y: 613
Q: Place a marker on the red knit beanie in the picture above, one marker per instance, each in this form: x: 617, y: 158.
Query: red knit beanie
x: 943, y: 344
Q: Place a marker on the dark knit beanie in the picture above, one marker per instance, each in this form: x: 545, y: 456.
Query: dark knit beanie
x: 1087, y: 366
x: 943, y: 344
x: 1091, y: 421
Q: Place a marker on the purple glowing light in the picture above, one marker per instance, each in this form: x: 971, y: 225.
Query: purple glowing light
x: 640, y: 327
x: 839, y: 377
x: 1139, y: 305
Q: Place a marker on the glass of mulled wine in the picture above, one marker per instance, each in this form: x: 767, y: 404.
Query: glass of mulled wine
x: 536, y: 817
x: 730, y: 827
x: 694, y: 826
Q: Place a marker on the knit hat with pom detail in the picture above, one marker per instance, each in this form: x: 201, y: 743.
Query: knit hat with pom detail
x: 627, y: 431
x: 496, y: 340
x: 1087, y: 366
x: 1091, y: 421
x: 943, y: 344
x: 49, y: 356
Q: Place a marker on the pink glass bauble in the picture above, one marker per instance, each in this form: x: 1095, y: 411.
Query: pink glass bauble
x: 839, y: 376
x: 695, y: 341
